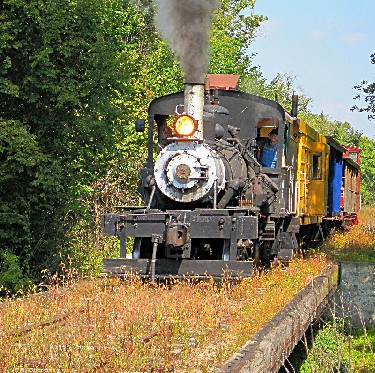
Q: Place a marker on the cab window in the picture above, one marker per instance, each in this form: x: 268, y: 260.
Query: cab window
x: 317, y: 166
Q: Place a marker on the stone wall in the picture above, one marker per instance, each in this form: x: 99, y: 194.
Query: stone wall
x: 355, y: 297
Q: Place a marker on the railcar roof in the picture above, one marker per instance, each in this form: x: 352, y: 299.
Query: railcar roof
x: 334, y: 143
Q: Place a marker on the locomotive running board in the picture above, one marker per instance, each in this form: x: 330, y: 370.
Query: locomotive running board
x: 185, y: 267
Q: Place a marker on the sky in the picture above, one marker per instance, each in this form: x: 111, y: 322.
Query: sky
x: 326, y: 45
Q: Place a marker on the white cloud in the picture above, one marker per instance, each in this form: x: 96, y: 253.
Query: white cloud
x: 354, y: 37
x: 318, y: 34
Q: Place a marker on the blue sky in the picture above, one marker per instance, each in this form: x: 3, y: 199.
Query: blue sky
x: 326, y: 45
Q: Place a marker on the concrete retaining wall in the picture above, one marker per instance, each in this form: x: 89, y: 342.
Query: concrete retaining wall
x: 355, y: 297
x: 267, y: 350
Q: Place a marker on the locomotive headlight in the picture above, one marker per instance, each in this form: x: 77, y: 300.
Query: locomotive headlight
x: 185, y: 125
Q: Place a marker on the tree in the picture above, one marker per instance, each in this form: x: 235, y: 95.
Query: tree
x: 366, y: 93
x: 281, y: 89
x: 28, y: 191
x: 67, y: 70
x: 367, y: 170
x: 343, y: 132
x: 232, y: 34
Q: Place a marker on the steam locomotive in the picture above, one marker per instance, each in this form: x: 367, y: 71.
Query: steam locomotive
x: 210, y: 207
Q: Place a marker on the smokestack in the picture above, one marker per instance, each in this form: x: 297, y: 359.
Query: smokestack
x: 194, y: 101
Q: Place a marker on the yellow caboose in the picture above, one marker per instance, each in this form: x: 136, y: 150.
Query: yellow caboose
x: 311, y: 177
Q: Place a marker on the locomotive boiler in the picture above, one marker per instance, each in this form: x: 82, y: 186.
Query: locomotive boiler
x: 210, y: 207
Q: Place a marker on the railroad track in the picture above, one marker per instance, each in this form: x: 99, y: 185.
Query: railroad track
x: 269, y: 348
x: 18, y: 332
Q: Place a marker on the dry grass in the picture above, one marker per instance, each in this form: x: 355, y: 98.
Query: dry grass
x: 356, y: 244
x: 131, y: 326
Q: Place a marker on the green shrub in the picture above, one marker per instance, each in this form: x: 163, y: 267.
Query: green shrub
x: 338, y: 348
x: 12, y: 278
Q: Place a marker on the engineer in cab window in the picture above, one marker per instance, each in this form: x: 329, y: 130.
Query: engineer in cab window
x: 268, y: 151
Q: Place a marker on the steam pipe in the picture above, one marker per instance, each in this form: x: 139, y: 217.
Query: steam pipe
x: 151, y: 196
x: 233, y: 186
x: 215, y: 194
x: 152, y: 185
x: 226, y: 198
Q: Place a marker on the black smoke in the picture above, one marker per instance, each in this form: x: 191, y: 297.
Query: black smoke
x: 186, y: 24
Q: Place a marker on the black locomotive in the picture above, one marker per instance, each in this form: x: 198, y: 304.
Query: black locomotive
x: 210, y: 206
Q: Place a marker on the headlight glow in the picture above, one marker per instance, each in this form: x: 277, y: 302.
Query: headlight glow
x: 185, y: 125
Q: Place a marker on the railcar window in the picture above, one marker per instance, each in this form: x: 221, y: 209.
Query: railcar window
x: 317, y: 166
x: 353, y: 155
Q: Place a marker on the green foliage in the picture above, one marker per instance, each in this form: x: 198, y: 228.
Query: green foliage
x: 361, y: 348
x: 337, y: 348
x: 367, y: 146
x: 326, y: 353
x: 346, y: 134
x: 29, y: 195
x: 12, y: 278
x: 232, y: 34
x: 281, y: 89
x: 366, y: 92
x: 66, y: 85
x: 343, y: 132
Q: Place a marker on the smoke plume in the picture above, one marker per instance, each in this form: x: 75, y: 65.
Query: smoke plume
x: 186, y: 24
